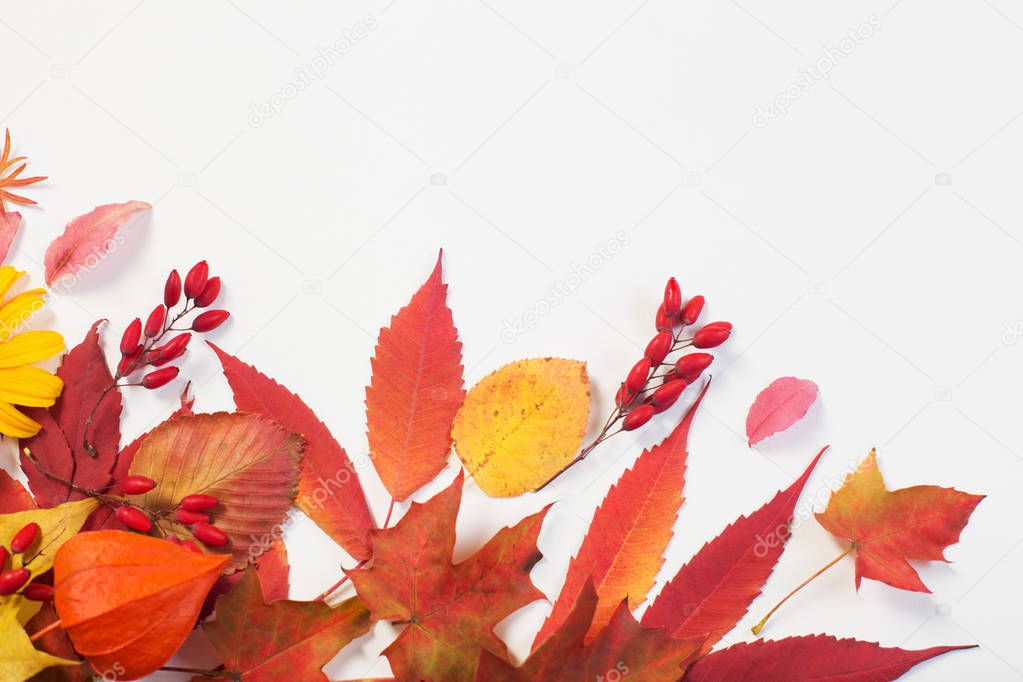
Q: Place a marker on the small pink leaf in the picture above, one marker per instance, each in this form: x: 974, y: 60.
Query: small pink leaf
x: 778, y: 407
x: 89, y: 239
x: 9, y: 226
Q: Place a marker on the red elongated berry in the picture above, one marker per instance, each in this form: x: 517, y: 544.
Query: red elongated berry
x: 195, y: 280
x: 635, y: 419
x: 638, y: 375
x: 131, y: 336
x: 37, y: 592
x: 126, y: 360
x: 210, y: 292
x: 4, y: 554
x: 11, y: 581
x: 172, y: 289
x: 137, y: 485
x: 209, y: 320
x: 134, y: 519
x: 672, y: 297
x: 663, y: 320
x: 691, y: 313
x: 712, y: 335
x: 191, y: 546
x: 624, y: 397
x: 189, y: 517
x: 198, y: 502
x: 172, y: 350
x: 665, y: 396
x: 24, y: 538
x: 160, y: 377
x: 173, y: 539
x: 690, y: 366
x: 659, y: 347
x: 209, y: 535
x: 154, y: 323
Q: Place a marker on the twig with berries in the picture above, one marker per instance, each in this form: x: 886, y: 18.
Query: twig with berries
x: 15, y: 580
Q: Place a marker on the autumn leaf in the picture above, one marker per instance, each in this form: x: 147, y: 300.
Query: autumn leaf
x: 283, y: 640
x: 811, y: 658
x: 449, y: 610
x: 13, y: 179
x: 19, y: 660
x: 712, y: 592
x: 329, y: 491
x: 523, y: 424
x: 130, y: 600
x: 272, y: 567
x: 56, y: 642
x: 10, y: 223
x: 415, y: 391
x: 88, y: 239
x: 624, y: 546
x: 60, y: 446
x: 778, y: 407
x: 57, y: 525
x: 246, y: 461
x: 888, y: 528
x: 13, y: 496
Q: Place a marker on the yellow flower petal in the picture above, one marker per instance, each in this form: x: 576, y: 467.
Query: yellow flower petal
x: 29, y: 386
x: 14, y: 424
x: 19, y: 311
x: 8, y: 276
x: 29, y: 347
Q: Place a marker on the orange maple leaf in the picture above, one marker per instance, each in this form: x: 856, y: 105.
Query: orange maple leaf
x: 12, y: 180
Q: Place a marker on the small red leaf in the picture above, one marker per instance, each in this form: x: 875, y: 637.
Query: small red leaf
x: 9, y: 226
x: 90, y: 237
x: 778, y: 407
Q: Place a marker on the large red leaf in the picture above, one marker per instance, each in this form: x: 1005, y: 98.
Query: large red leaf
x: 711, y: 593
x: 60, y: 447
x: 624, y: 547
x: 449, y: 610
x: 13, y: 496
x: 329, y: 491
x: 811, y: 658
x: 415, y: 391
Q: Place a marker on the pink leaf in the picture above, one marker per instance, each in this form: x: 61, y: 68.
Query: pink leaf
x: 9, y: 226
x: 90, y: 238
x: 778, y: 407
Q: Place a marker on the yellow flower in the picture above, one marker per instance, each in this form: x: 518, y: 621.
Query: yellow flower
x: 20, y: 382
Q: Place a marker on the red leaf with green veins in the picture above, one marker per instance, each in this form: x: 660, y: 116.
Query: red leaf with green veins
x: 449, y: 610
x: 415, y: 391
x: 711, y: 593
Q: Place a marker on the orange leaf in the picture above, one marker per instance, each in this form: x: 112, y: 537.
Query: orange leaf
x: 889, y: 527
x: 415, y: 391
x: 130, y: 600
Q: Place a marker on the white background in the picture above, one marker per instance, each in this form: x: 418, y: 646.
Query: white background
x: 869, y: 239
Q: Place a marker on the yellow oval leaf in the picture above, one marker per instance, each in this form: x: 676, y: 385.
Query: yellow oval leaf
x: 523, y: 424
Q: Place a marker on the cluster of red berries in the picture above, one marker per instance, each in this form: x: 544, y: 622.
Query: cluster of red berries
x: 139, y: 342
x: 193, y: 511
x: 644, y: 392
x: 13, y: 580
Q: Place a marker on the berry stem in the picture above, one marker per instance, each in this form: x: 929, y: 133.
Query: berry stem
x: 760, y: 626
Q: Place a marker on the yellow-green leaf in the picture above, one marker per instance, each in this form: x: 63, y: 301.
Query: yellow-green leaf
x: 19, y: 660
x: 56, y: 525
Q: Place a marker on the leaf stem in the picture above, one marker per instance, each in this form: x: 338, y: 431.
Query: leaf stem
x: 211, y: 674
x: 760, y: 626
x: 45, y: 631
x: 330, y: 590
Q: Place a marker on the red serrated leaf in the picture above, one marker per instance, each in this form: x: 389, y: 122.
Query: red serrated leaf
x: 270, y: 564
x: 811, y: 658
x: 711, y: 593
x: 13, y: 496
x: 449, y: 610
x: 329, y: 491
x: 624, y: 547
x: 59, y: 447
x: 415, y: 391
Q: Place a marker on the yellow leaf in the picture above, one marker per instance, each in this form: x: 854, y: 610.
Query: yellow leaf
x: 523, y: 424
x: 56, y: 527
x: 19, y: 660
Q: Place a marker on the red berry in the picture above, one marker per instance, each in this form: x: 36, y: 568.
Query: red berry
x: 210, y: 292
x: 160, y: 377
x: 191, y: 546
x: 672, y: 297
x: 638, y: 375
x: 172, y: 290
x: 154, y: 323
x: 659, y: 347
x: 11, y: 581
x: 210, y: 320
x: 37, y: 592
x: 137, y: 485
x: 173, y: 539
x: 131, y: 336
x: 665, y: 396
x: 4, y: 554
x: 624, y: 397
x: 691, y: 313
x: 209, y: 535
x: 126, y: 360
x: 690, y: 366
x: 24, y: 538
x: 189, y: 517
x: 663, y: 320
x: 195, y: 280
x: 198, y: 502
x: 712, y: 335
x: 134, y: 519
x: 172, y: 350
x: 635, y: 419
